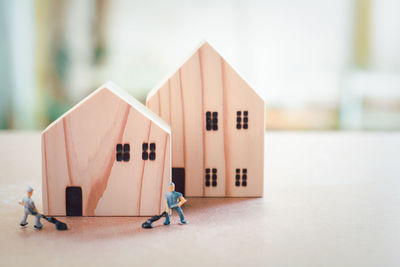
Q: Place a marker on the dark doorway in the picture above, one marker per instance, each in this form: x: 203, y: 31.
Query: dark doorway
x: 178, y: 177
x: 73, y: 201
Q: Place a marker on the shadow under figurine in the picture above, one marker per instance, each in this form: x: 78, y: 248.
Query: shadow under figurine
x: 173, y: 200
x: 30, y: 209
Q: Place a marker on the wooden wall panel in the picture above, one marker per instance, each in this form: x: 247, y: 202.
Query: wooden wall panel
x: 176, y: 108
x: 250, y: 142
x: 193, y: 125
x: 163, y: 96
x: 126, y: 176
x: 92, y: 131
x: 153, y: 173
x: 56, y: 173
x: 214, y: 156
x: 154, y: 105
x: 45, y: 198
x: 167, y: 174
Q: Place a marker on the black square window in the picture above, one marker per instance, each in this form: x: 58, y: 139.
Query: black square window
x: 126, y: 148
x: 152, y: 147
x: 122, y: 152
x: 241, y: 178
x: 242, y: 123
x: 213, y: 176
x: 211, y: 121
x: 207, y: 180
x: 146, y: 154
x: 145, y: 146
x: 119, y: 148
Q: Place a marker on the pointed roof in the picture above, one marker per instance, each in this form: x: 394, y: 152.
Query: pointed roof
x: 203, y: 43
x: 123, y: 95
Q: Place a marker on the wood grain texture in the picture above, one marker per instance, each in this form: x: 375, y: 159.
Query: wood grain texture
x: 190, y: 77
x: 176, y: 108
x: 80, y: 150
x: 205, y: 82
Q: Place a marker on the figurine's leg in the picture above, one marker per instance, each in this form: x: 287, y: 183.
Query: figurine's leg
x: 181, y: 214
x: 37, y: 221
x: 23, y: 221
x: 166, y: 222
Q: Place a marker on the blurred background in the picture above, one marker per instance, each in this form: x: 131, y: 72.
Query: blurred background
x: 320, y: 64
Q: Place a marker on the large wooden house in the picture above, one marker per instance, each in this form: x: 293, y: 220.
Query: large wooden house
x: 107, y: 156
x: 217, y: 123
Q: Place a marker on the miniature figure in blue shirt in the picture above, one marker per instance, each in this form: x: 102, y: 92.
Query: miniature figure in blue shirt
x: 174, y: 200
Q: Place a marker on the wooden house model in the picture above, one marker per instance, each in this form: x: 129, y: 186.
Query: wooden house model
x: 217, y: 122
x: 107, y: 156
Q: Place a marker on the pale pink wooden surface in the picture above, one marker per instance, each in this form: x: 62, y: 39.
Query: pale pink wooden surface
x: 324, y: 205
x: 80, y: 150
x: 205, y: 82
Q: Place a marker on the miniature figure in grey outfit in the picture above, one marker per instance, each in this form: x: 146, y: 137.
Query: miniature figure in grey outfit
x: 29, y: 207
x: 174, y: 200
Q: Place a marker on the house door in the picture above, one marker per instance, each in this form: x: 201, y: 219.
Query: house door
x: 73, y: 201
x: 178, y: 178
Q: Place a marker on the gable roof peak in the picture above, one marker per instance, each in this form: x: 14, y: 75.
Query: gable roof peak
x: 203, y: 43
x: 123, y: 95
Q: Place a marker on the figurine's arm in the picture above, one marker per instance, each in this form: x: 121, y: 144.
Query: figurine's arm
x: 34, y: 207
x: 21, y: 203
x: 167, y: 209
x: 182, y: 201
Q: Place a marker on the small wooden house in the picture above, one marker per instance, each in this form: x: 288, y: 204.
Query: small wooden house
x: 217, y: 122
x: 107, y: 156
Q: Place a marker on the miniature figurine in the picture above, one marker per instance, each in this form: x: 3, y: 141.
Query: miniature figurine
x: 29, y: 207
x: 174, y: 200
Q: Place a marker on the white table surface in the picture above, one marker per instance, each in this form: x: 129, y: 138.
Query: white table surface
x: 330, y: 199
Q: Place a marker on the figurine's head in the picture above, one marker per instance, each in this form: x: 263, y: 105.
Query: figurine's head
x: 29, y: 191
x: 171, y: 187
